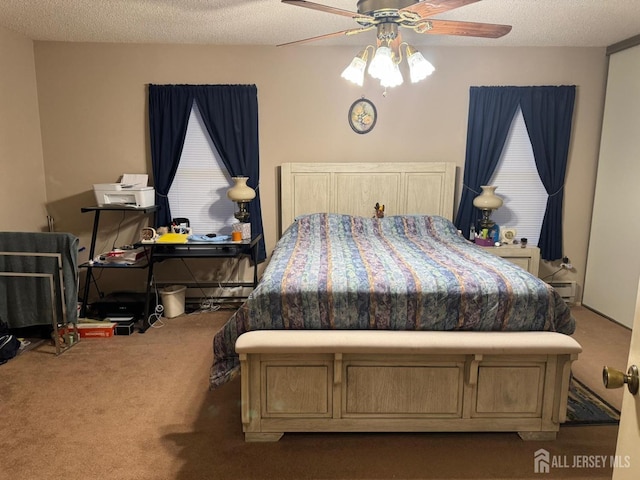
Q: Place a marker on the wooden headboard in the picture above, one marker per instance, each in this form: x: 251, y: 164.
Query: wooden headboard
x: 355, y: 188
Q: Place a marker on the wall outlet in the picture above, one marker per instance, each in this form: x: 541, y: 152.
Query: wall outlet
x: 566, y: 263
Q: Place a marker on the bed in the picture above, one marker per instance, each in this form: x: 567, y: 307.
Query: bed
x: 395, y: 323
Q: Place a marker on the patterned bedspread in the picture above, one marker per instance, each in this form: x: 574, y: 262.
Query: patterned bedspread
x: 331, y: 271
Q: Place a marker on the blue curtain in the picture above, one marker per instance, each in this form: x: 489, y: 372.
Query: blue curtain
x: 169, y: 110
x: 491, y: 111
x: 230, y: 114
x: 548, y: 113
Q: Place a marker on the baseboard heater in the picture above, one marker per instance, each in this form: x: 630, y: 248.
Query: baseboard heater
x: 566, y: 289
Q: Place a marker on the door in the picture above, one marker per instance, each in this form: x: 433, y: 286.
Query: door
x: 616, y: 195
x: 629, y: 431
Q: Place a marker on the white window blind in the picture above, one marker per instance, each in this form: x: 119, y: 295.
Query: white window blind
x: 199, y: 190
x: 519, y: 185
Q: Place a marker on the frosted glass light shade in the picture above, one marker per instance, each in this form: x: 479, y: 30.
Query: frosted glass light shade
x: 393, y: 78
x: 241, y: 192
x: 487, y: 200
x: 355, y: 71
x: 381, y: 65
x: 419, y: 67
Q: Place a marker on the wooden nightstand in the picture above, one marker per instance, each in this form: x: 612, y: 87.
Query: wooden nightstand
x: 527, y: 258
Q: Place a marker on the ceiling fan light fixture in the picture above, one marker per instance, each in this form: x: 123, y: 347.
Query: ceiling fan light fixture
x: 387, y: 16
x: 384, y: 66
x: 419, y: 67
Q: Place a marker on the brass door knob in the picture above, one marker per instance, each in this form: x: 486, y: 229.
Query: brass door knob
x: 613, y: 378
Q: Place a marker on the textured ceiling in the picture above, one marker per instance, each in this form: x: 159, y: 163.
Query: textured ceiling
x: 563, y: 23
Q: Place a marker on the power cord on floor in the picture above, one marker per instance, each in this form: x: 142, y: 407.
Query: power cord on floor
x: 206, y: 305
x: 157, y: 312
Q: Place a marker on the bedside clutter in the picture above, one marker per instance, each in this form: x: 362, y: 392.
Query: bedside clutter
x: 485, y: 237
x: 494, y: 240
x: 485, y: 242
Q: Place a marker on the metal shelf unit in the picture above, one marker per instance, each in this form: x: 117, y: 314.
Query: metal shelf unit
x: 92, y: 249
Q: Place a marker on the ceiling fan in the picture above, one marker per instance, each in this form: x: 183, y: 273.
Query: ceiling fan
x: 387, y: 15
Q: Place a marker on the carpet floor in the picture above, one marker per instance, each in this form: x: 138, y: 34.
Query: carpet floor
x: 138, y: 407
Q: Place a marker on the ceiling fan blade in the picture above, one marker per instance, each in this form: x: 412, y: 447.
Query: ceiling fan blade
x: 465, y: 29
x: 351, y: 31
x: 323, y: 8
x: 429, y: 8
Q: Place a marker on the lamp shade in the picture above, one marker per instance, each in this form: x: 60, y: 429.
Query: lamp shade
x: 382, y: 65
x: 419, y: 67
x: 487, y: 200
x: 355, y: 71
x: 241, y: 192
x: 392, y: 78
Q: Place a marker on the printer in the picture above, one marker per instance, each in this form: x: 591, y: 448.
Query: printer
x: 131, y: 191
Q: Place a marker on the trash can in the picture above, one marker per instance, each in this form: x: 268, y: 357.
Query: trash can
x: 173, y: 298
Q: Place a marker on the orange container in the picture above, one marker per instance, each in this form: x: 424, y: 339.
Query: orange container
x: 96, y: 330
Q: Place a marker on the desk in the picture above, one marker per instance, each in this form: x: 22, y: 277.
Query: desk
x: 227, y: 249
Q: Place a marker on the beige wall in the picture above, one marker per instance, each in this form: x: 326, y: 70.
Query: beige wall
x: 93, y: 107
x: 22, y: 185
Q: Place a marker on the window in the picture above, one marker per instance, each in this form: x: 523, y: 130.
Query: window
x: 199, y: 190
x: 519, y: 185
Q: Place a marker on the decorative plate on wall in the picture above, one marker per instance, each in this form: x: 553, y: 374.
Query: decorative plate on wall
x: 362, y: 115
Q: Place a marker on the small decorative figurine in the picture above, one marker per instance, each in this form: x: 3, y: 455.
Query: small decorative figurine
x: 379, y: 210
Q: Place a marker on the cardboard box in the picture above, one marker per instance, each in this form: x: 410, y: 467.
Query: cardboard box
x: 96, y: 330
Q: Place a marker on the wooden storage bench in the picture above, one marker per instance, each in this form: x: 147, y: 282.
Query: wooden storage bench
x: 401, y: 381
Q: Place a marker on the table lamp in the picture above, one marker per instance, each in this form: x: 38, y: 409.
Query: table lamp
x: 487, y: 201
x: 242, y: 194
